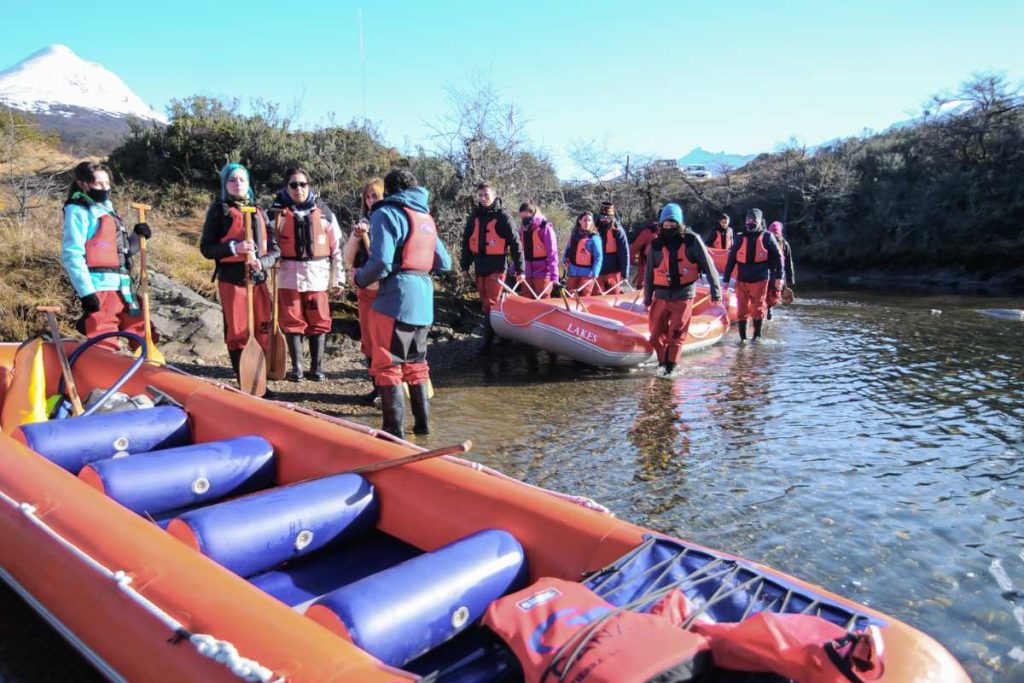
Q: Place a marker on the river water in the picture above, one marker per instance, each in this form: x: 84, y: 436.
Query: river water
x: 872, y: 444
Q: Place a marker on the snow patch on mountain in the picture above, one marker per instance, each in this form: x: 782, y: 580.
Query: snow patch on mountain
x: 55, y: 79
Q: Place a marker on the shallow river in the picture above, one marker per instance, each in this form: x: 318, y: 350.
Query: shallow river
x: 872, y: 444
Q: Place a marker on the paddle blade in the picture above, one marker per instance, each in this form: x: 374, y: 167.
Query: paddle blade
x: 787, y: 296
x: 277, y: 362
x: 153, y: 354
x: 252, y: 369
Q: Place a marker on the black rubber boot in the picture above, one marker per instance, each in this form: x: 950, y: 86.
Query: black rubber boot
x: 669, y: 369
x: 371, y: 398
x: 757, y: 329
x: 488, y: 336
x: 392, y: 400
x: 420, y: 403
x: 236, y: 359
x: 769, y: 316
x: 295, y: 354
x: 317, y: 344
x: 742, y: 325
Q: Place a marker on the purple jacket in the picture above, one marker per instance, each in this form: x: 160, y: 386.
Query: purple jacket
x: 546, y: 266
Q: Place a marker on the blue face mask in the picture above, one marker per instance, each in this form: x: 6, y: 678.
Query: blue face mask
x: 97, y: 195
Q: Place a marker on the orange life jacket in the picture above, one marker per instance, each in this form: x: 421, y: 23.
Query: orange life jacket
x: 420, y: 243
x: 315, y: 233
x: 581, y: 256
x: 611, y: 245
x: 490, y: 242
x: 760, y: 252
x: 721, y: 240
x: 537, y: 621
x: 686, y: 271
x: 533, y: 245
x: 236, y: 232
x: 107, y: 248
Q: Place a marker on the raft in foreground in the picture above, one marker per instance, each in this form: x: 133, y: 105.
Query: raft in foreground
x: 314, y: 574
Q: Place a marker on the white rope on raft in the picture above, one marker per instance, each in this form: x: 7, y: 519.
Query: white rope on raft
x: 220, y: 651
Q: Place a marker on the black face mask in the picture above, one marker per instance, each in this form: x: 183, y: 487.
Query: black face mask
x: 97, y: 195
x: 751, y: 226
x: 527, y: 222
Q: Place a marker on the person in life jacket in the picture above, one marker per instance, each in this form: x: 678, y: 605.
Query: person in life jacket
x: 757, y: 257
x: 224, y: 241
x: 96, y: 251
x: 311, y: 264
x: 789, y: 278
x: 540, y: 249
x: 676, y: 259
x: 357, y: 253
x: 583, y: 256
x: 722, y: 236
x: 562, y: 631
x: 615, y: 259
x: 638, y: 251
x: 488, y: 241
x: 404, y: 250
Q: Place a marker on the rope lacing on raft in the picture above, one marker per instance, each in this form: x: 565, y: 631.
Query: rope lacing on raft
x: 717, y: 569
x: 220, y: 651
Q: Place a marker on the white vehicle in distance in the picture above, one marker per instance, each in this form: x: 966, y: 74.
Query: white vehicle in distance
x: 697, y: 171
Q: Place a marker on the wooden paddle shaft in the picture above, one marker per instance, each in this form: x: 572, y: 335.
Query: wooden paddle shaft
x: 247, y: 212
x: 415, y: 457
x: 144, y: 279
x: 65, y: 367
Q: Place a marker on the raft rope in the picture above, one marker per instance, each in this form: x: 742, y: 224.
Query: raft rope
x: 220, y: 651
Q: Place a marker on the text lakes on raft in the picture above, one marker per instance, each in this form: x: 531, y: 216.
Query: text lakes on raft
x: 582, y: 333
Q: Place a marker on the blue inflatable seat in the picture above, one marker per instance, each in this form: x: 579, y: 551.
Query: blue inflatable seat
x: 161, y: 481
x: 257, y: 532
x: 77, y: 441
x: 403, y: 612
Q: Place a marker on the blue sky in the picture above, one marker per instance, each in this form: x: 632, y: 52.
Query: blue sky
x: 653, y: 78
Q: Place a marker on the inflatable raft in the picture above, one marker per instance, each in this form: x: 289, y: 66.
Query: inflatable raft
x: 221, y: 537
x: 606, y: 331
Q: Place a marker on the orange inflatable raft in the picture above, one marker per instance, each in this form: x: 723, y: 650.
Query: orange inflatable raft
x: 385, y: 579
x: 606, y: 331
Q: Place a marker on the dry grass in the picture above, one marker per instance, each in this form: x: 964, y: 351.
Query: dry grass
x: 31, y: 272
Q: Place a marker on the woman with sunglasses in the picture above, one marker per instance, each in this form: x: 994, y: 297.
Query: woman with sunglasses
x: 357, y: 253
x: 311, y: 264
x: 224, y: 241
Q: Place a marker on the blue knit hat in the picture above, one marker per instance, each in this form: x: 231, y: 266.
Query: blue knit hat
x: 671, y: 212
x: 226, y: 172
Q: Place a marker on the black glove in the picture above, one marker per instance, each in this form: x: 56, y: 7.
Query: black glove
x: 143, y: 230
x: 90, y: 303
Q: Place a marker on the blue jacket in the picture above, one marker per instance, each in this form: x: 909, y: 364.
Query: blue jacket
x: 81, y: 223
x: 404, y: 296
x: 596, y: 249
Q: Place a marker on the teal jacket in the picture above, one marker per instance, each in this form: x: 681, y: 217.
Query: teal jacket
x: 81, y: 223
x: 404, y: 296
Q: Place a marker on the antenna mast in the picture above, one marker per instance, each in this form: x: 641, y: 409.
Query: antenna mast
x: 362, y: 61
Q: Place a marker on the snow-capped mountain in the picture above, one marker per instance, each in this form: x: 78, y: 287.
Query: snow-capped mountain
x: 715, y: 160
x: 55, y: 80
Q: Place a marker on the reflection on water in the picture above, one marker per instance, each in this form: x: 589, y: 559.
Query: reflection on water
x: 872, y: 444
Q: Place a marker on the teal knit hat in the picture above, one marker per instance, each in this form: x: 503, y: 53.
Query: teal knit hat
x: 671, y: 212
x: 225, y: 173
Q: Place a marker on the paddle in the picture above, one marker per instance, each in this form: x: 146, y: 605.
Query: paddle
x: 277, y: 362
x: 252, y: 366
x: 65, y: 367
x: 415, y: 457
x: 152, y: 353
x: 787, y: 296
